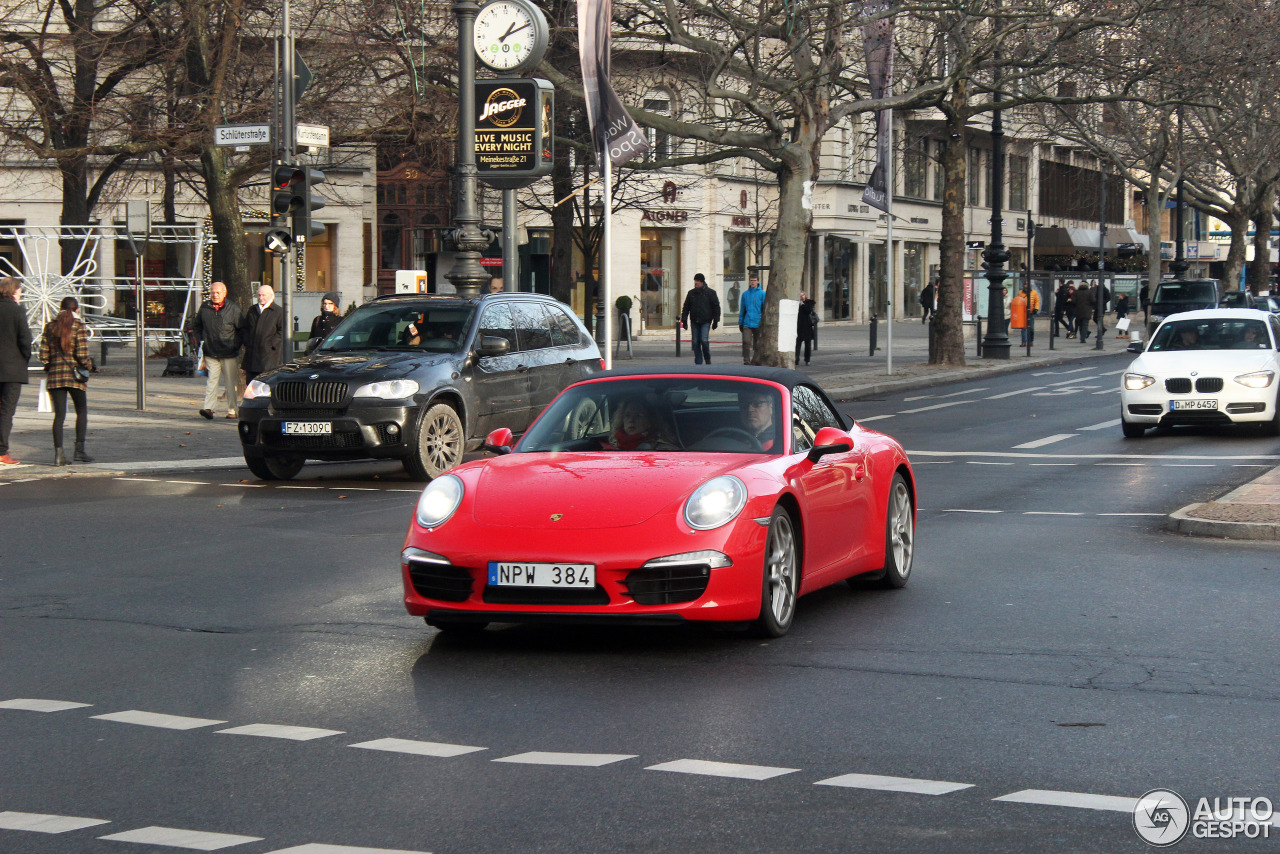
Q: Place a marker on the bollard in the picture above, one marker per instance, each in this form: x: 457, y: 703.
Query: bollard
x: 875, y: 322
x: 978, y: 326
x: 931, y: 341
x: 677, y: 340
x: 1031, y: 331
x: 103, y: 360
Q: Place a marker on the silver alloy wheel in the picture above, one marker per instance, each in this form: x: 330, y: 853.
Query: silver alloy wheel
x: 441, y: 440
x: 780, y: 569
x: 901, y: 529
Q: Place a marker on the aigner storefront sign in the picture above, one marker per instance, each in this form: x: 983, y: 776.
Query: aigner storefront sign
x: 647, y: 215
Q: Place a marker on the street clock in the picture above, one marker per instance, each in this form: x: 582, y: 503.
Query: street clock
x: 511, y: 36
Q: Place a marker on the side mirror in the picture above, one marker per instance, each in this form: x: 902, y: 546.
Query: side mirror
x: 493, y: 345
x: 829, y: 441
x: 312, y: 344
x: 499, y: 441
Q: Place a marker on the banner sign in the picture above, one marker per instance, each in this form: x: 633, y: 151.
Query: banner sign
x: 612, y: 127
x: 877, y: 44
x: 514, y: 131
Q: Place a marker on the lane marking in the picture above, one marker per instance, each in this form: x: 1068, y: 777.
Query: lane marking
x: 293, y: 733
x: 1250, y: 466
x: 42, y: 705
x: 1061, y: 373
x: 956, y: 510
x: 43, y: 823
x: 944, y: 396
x: 1103, y: 425
x: 1078, y: 800
x: 722, y: 769
x: 1125, y: 465
x: 583, y: 760
x: 1071, y: 382
x: 321, y: 848
x: 1049, y: 513
x: 873, y: 418
x: 1045, y: 464
x: 189, y: 482
x: 1108, y: 391
x: 173, y: 837
x: 245, y: 485
x: 985, y: 463
x: 418, y: 748
x: 894, y: 784
x: 1133, y: 514
x: 155, y: 719
x: 1187, y: 465
x: 297, y: 486
x: 936, y: 406
x: 1048, y: 440
x: 933, y: 463
x: 1086, y: 455
x: 1012, y: 393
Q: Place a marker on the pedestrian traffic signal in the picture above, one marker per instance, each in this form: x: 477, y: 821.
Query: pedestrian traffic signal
x: 303, y: 227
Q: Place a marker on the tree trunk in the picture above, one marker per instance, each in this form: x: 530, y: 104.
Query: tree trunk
x: 790, y: 241
x: 948, y: 322
x: 1260, y: 266
x: 75, y: 206
x: 1155, y: 231
x: 1238, y: 221
x: 230, y: 252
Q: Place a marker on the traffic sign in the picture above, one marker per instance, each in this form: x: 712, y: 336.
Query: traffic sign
x: 278, y: 240
x: 242, y: 135
x: 315, y: 135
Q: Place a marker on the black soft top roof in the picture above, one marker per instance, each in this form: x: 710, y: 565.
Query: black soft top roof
x: 781, y: 376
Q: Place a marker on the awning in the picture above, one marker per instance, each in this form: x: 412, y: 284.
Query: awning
x: 1056, y: 237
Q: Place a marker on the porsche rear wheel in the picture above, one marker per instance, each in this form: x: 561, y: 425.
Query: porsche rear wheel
x: 899, y: 535
x: 781, y: 576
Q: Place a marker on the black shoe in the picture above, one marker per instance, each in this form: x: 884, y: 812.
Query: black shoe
x: 80, y: 455
x: 206, y: 413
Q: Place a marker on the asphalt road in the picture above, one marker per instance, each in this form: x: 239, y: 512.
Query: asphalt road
x: 1055, y: 656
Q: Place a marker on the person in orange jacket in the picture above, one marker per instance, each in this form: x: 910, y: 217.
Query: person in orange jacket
x: 1026, y: 302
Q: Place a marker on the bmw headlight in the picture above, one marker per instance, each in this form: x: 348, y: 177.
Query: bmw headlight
x: 388, y: 390
x: 256, y: 388
x: 1133, y: 382
x: 439, y: 500
x: 1257, y: 379
x: 715, y: 503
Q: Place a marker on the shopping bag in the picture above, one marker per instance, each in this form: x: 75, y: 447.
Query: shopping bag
x: 202, y: 370
x: 43, y: 403
x: 1122, y: 325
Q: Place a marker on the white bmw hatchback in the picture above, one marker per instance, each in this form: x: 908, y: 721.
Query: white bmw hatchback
x: 1205, y: 367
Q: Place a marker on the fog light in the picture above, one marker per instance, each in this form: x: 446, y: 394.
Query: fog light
x: 393, y: 429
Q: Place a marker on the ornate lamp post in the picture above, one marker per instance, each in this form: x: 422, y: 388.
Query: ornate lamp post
x: 995, y: 344
x: 1179, y: 265
x: 467, y: 276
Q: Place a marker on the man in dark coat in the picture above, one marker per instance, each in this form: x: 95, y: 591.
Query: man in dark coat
x: 701, y: 314
x: 217, y: 327
x: 1084, y: 310
x: 806, y: 326
x: 263, y: 332
x: 15, y: 353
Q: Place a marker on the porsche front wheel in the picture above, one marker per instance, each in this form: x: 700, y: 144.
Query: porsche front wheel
x: 781, y: 576
x: 899, y: 535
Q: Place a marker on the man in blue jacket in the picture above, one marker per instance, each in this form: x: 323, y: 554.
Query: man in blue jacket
x: 750, y: 311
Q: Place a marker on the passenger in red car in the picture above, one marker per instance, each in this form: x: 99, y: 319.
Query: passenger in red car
x: 637, y: 426
x: 757, y: 417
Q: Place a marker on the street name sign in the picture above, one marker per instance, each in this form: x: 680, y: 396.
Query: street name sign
x: 313, y: 135
x: 241, y: 135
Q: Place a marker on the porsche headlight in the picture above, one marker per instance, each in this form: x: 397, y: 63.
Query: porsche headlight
x: 388, y: 390
x: 256, y: 388
x: 1133, y: 382
x: 439, y: 500
x: 1257, y: 379
x: 715, y: 503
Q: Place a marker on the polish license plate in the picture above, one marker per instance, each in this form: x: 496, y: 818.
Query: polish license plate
x: 1194, y: 404
x: 512, y: 574
x: 308, y: 428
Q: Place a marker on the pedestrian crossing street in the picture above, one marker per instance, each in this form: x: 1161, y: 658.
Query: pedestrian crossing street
x: 21, y: 820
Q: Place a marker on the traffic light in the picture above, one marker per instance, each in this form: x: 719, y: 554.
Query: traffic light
x: 288, y: 189
x: 1031, y: 227
x: 303, y: 227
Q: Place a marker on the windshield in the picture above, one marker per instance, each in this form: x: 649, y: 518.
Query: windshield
x: 1211, y: 334
x: 402, y: 326
x: 1185, y: 292
x: 647, y: 414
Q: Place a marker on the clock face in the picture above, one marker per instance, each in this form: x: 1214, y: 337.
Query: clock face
x: 505, y: 34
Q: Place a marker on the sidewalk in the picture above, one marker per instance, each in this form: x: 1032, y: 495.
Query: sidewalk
x: 169, y: 435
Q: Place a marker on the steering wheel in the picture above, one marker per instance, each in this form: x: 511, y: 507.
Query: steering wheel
x: 734, y: 433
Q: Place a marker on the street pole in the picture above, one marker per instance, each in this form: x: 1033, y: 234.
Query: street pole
x: 141, y: 331
x: 1180, y: 264
x: 288, y: 123
x: 1100, y: 298
x: 510, y: 258
x: 467, y: 276
x: 996, y: 343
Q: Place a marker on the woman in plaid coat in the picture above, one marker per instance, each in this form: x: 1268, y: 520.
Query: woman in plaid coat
x: 64, y: 346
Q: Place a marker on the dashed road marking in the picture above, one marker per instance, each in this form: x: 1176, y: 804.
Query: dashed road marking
x: 936, y: 406
x: 894, y: 784
x: 173, y: 837
x: 43, y: 823
x: 1049, y: 513
x: 293, y: 733
x: 42, y: 705
x: 1018, y: 391
x: 1187, y: 465
x: 321, y: 848
x: 418, y: 748
x: 1054, y: 464
x: 583, y: 760
x: 722, y: 769
x: 874, y: 418
x: 960, y: 510
x: 155, y: 719
x: 1061, y: 373
x: 986, y: 463
x: 1123, y: 465
x: 1047, y: 440
x: 1104, y: 425
x: 944, y: 396
x: 1078, y: 800
x: 1132, y: 514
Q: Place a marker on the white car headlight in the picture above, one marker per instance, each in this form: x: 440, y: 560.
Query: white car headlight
x: 388, y: 390
x: 256, y: 388
x: 439, y: 500
x: 1133, y: 382
x: 715, y: 503
x: 1257, y: 379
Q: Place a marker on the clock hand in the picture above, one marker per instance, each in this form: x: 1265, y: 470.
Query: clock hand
x: 512, y: 29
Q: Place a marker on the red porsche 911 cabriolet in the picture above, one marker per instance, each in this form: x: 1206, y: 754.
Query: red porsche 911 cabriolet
x: 707, y: 494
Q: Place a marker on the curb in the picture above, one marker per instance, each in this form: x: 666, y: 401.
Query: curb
x: 1182, y: 522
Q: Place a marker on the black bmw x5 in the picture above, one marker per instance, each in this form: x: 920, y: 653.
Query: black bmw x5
x: 417, y: 378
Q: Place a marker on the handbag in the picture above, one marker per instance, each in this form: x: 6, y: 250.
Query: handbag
x: 82, y: 374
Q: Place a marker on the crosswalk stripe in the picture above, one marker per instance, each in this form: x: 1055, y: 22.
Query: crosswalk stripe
x: 722, y: 769
x: 293, y: 733
x: 29, y: 705
x: 586, y: 760
x: 894, y: 784
x: 1078, y: 800
x: 133, y: 716
x: 43, y: 823
x: 173, y: 837
x: 418, y: 748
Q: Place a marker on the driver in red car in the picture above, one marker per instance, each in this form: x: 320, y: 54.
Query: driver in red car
x: 757, y: 417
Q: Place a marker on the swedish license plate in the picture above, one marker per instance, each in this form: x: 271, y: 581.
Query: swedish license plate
x: 512, y: 574
x: 308, y: 428
x: 1194, y: 404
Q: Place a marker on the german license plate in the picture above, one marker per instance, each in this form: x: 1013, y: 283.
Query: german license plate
x: 512, y: 574
x: 308, y: 428
x: 1193, y: 404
